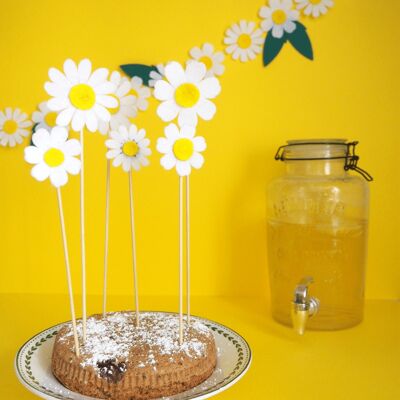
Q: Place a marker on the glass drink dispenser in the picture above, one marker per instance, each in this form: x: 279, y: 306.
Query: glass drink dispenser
x: 317, y: 236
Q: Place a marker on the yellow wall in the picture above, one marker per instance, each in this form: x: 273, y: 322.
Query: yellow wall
x: 351, y: 90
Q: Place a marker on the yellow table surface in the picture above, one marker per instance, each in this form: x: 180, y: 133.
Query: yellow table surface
x: 358, y: 363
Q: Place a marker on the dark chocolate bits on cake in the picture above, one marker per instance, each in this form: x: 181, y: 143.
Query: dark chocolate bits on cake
x: 111, y: 370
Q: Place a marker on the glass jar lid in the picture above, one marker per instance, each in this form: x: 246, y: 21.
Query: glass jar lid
x: 322, y: 149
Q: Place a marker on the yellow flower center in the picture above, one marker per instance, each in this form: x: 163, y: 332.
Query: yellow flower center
x: 314, y: 2
x: 133, y: 92
x: 187, y: 95
x: 50, y: 119
x: 53, y: 157
x: 115, y: 109
x: 279, y: 17
x: 183, y: 149
x: 244, y: 41
x: 82, y: 96
x: 130, y: 149
x: 206, y: 61
x: 10, y: 126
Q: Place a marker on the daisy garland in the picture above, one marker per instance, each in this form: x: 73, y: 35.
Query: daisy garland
x: 53, y: 156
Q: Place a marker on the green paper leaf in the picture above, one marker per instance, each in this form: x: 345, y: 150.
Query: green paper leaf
x: 300, y: 40
x: 140, y: 70
x: 272, y: 47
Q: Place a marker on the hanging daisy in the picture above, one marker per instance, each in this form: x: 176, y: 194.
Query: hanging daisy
x: 279, y: 17
x: 13, y: 126
x: 54, y: 156
x: 80, y: 96
x: 44, y: 118
x: 140, y: 92
x: 181, y: 149
x: 186, y: 93
x: 244, y: 41
x: 213, y: 60
x: 316, y: 8
x: 156, y: 75
x: 128, y: 147
x: 127, y: 104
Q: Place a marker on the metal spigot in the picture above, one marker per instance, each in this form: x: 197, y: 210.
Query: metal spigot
x: 303, y: 306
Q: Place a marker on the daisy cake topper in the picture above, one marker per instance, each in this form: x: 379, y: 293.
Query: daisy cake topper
x: 54, y: 156
x: 185, y: 94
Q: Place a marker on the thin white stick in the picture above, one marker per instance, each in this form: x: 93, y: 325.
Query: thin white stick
x: 67, y: 268
x: 133, y: 249
x: 180, y: 261
x: 106, y: 239
x: 83, y: 248
x: 188, y: 248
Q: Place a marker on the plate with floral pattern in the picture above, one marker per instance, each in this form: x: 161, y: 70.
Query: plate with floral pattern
x: 33, y: 365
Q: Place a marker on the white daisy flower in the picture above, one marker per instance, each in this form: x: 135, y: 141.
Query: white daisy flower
x: 13, y: 126
x: 53, y: 155
x: 185, y: 93
x: 279, y: 17
x: 140, y: 92
x: 157, y: 75
x: 181, y: 149
x: 80, y: 96
x: 128, y: 147
x: 127, y: 104
x: 315, y: 8
x: 244, y: 41
x: 213, y: 60
x: 44, y: 118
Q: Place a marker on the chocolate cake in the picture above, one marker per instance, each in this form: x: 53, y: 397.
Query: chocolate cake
x: 125, y: 362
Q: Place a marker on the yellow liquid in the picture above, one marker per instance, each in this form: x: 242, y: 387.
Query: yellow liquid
x: 334, y: 257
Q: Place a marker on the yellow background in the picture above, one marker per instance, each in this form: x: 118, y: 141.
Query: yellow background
x: 351, y: 90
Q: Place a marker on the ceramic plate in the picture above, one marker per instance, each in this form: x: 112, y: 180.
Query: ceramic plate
x: 33, y: 360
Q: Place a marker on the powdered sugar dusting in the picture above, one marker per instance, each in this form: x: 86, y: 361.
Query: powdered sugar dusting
x: 113, y: 336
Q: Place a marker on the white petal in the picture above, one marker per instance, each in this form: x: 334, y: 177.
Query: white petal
x: 289, y: 26
x: 118, y: 160
x: 72, y: 147
x: 41, y: 138
x: 187, y: 116
x: 265, y: 12
x: 58, y: 77
x: 107, y: 101
x: 113, y: 153
x: 168, y: 161
x: 199, y: 143
x: 197, y: 160
x: 168, y: 110
x: 65, y: 116
x: 33, y: 155
x: 210, y: 88
x: 105, y: 88
x: 175, y: 73
x: 195, y: 72
x: 78, y: 120
x: 277, y: 31
x: 56, y: 89
x: 84, y: 70
x: 171, y: 132
x: 206, y: 110
x: 163, y: 145
x: 58, y: 135
x: 58, y: 177
x: 102, y: 113
x: 40, y: 172
x: 183, y: 168
x: 126, y: 164
x: 188, y: 131
x: 91, y: 121
x: 71, y: 71
x: 72, y: 165
x: 163, y: 90
x: 98, y: 76
x: 58, y: 103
